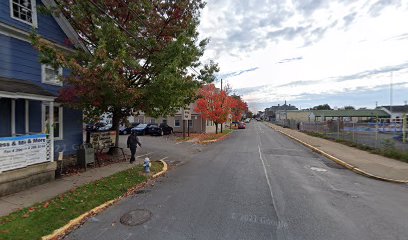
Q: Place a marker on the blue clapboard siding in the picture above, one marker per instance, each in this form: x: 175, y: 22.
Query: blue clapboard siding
x: 72, y: 132
x: 47, y: 26
x: 19, y: 60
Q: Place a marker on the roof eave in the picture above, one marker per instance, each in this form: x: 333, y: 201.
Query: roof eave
x: 65, y: 25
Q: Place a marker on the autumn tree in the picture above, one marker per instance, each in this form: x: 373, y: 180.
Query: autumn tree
x: 238, y: 107
x: 213, y: 105
x: 135, y: 55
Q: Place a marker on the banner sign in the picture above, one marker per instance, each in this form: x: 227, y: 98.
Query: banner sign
x: 19, y: 152
x: 101, y: 140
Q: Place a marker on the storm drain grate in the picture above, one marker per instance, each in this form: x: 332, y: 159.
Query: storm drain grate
x: 136, y: 217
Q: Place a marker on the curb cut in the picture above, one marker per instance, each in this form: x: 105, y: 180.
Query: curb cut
x: 339, y: 161
x: 64, y: 230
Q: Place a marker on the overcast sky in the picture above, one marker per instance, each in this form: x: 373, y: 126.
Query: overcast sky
x: 310, y: 52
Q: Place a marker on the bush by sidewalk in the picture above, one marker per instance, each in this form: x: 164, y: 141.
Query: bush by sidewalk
x: 43, y: 218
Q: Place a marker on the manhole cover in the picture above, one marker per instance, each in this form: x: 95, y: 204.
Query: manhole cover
x: 136, y: 217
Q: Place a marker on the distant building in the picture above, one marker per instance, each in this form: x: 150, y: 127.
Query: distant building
x: 270, y: 113
x: 197, y: 124
x: 396, y: 112
x: 324, y: 115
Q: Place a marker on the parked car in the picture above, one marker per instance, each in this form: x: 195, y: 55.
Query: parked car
x: 143, y: 128
x: 241, y: 125
x: 123, y: 130
x: 247, y: 120
x: 93, y: 127
x: 160, y: 130
x: 105, y: 128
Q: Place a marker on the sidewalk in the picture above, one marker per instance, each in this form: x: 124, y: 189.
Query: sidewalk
x: 376, y: 165
x: 40, y: 193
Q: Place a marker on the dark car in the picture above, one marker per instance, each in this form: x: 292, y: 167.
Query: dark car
x: 143, y: 128
x: 161, y: 130
x: 93, y: 127
x: 123, y: 130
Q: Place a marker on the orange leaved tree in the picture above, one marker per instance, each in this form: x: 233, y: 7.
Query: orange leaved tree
x: 213, y: 105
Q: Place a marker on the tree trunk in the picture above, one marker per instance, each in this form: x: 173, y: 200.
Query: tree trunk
x: 216, y: 128
x: 221, y: 127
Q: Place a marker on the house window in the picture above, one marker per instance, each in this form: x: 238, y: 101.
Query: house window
x: 164, y: 121
x: 58, y: 123
x: 177, y: 122
x: 152, y: 120
x: 51, y: 75
x: 24, y: 11
x: 190, y: 123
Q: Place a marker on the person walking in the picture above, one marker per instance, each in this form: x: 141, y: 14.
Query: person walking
x: 132, y: 143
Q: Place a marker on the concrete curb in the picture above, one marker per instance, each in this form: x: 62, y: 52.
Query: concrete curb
x: 341, y: 162
x: 59, y: 233
x: 164, y: 169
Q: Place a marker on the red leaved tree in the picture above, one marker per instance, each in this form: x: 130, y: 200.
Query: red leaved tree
x: 213, y: 105
x: 238, y: 108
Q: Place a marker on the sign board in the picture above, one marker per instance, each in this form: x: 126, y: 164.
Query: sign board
x: 186, y: 113
x: 22, y: 151
x: 101, y: 140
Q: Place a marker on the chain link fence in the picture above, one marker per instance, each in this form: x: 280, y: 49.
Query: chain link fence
x: 383, y: 135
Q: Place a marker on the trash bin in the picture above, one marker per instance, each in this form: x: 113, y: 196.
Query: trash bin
x: 86, y: 155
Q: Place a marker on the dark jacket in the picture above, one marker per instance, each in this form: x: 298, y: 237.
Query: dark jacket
x: 133, y: 141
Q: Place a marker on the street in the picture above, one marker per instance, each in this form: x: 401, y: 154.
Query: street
x: 257, y: 184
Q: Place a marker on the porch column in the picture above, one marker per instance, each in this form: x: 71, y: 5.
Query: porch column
x: 27, y: 116
x: 13, y: 117
x: 51, y: 127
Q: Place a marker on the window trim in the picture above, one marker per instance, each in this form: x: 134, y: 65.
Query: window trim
x: 60, y: 71
x: 33, y: 14
x: 60, y: 117
x: 175, y: 125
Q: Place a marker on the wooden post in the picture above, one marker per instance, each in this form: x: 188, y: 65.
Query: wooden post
x: 184, y: 128
x: 188, y: 127
x: 51, y: 127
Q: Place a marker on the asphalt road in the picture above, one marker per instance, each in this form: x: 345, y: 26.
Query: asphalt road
x: 259, y: 185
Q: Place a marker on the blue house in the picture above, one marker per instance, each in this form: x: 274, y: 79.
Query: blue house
x: 34, y: 128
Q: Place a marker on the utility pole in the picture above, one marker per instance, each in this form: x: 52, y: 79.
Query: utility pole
x: 391, y: 92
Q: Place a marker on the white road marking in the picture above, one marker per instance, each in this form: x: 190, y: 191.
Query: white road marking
x: 163, y: 159
x: 145, y: 154
x: 266, y: 175
x: 318, y: 169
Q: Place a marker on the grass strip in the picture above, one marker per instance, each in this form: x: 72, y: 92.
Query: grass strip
x: 43, y: 218
x: 212, y: 136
